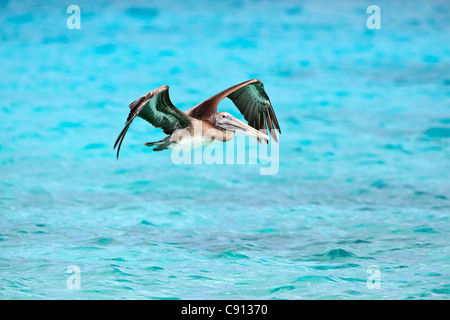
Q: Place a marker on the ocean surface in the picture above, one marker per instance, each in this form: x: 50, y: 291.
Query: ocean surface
x: 359, y: 207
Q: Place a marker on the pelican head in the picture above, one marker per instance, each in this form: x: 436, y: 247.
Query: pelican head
x: 226, y: 121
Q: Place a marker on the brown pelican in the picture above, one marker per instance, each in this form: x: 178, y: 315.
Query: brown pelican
x: 249, y: 97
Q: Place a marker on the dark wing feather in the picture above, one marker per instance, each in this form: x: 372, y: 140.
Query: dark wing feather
x: 252, y: 101
x: 156, y: 108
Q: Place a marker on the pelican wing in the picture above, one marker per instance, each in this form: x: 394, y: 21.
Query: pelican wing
x: 156, y: 108
x: 251, y: 100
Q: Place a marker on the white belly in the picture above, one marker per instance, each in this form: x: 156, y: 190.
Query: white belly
x: 189, y: 142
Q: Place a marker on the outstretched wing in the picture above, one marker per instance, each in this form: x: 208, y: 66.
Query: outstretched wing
x: 251, y: 100
x: 156, y: 108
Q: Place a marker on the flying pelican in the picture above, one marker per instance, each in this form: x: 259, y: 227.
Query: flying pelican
x: 249, y: 97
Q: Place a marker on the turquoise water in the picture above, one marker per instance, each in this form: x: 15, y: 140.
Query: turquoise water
x: 364, y: 174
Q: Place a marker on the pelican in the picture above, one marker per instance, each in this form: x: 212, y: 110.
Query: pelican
x: 249, y: 97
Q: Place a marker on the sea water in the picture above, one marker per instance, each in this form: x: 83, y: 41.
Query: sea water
x: 359, y: 208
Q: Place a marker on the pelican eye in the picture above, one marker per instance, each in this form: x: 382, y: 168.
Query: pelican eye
x: 223, y: 116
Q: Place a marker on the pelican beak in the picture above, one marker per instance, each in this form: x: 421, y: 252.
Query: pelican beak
x: 236, y: 125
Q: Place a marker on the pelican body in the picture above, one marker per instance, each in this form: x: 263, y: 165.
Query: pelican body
x: 202, y: 125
